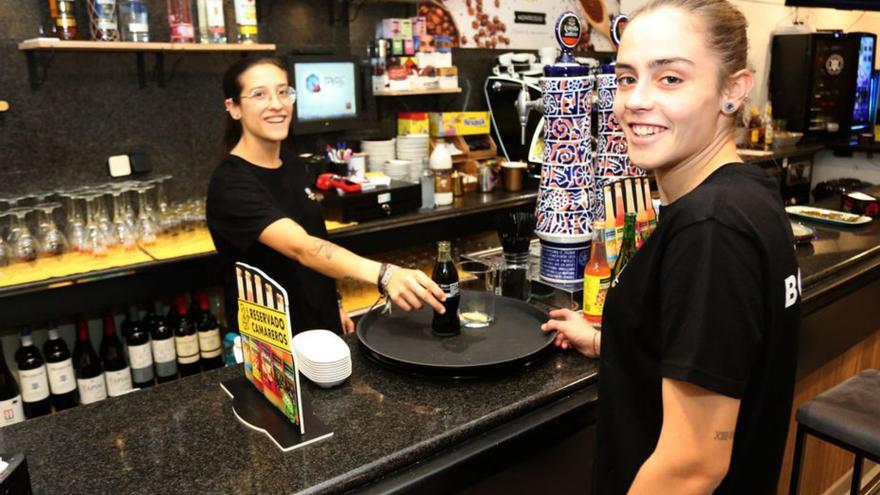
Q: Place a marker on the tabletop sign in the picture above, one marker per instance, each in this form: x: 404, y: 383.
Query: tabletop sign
x: 264, y: 323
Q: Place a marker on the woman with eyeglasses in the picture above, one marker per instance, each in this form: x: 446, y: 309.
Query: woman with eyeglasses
x: 259, y: 211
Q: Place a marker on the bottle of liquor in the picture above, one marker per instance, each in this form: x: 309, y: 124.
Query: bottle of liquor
x: 33, y: 378
x: 246, y: 19
x: 619, y: 215
x: 63, y: 19
x: 59, y: 365
x: 103, y: 17
x: 642, y: 228
x: 11, y: 409
x: 446, y: 276
x: 210, y: 346
x: 610, y: 239
x: 186, y: 342
x: 134, y: 23
x: 162, y: 345
x: 212, y: 26
x: 649, y: 205
x: 117, y: 374
x: 89, y: 374
x: 180, y: 21
x: 756, y: 130
x: 768, y: 127
x: 140, y: 355
x: 597, y: 277
x: 627, y: 246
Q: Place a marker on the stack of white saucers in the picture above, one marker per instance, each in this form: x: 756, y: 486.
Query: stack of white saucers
x: 397, y: 169
x: 412, y: 147
x: 322, y: 357
x: 378, y: 152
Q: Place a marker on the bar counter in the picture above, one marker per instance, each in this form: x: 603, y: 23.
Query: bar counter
x: 398, y: 432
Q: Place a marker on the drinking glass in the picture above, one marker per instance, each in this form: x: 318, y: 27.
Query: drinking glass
x: 147, y: 229
x: 478, y: 283
x: 74, y: 207
x: 122, y: 232
x: 23, y: 246
x: 95, y: 238
x: 52, y: 240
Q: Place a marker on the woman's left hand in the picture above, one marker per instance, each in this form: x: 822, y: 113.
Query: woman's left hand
x: 347, y: 323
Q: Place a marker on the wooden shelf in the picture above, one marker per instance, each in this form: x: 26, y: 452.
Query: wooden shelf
x: 415, y: 92
x: 46, y: 44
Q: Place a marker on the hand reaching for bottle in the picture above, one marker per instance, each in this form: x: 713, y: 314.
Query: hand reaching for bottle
x: 409, y: 288
x: 573, y: 332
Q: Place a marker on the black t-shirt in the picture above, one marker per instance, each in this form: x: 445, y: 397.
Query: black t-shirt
x: 712, y: 298
x: 244, y: 199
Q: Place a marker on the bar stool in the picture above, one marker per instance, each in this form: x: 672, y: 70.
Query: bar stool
x: 847, y: 416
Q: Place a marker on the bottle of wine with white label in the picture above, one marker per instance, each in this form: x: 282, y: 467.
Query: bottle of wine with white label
x: 59, y: 365
x: 117, y: 374
x: 89, y: 374
x: 162, y: 344
x: 140, y: 355
x: 11, y: 410
x: 210, y: 346
x: 186, y: 342
x: 32, y: 377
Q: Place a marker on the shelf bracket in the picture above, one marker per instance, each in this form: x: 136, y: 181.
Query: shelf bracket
x: 35, y: 77
x: 159, y: 69
x: 142, y: 70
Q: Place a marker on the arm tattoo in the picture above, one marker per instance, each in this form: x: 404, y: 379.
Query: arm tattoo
x: 724, y: 435
x: 323, y: 247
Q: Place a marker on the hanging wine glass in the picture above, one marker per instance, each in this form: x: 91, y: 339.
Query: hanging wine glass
x: 95, y: 240
x: 23, y: 246
x: 74, y: 207
x: 102, y: 216
x: 147, y: 229
x: 52, y: 240
x: 125, y: 236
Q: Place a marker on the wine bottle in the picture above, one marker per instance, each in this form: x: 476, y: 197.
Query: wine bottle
x: 162, y: 345
x: 210, y: 346
x: 180, y: 21
x: 446, y: 276
x: 627, y: 246
x: 89, y: 374
x: 140, y: 356
x: 186, y: 342
x: 116, y: 371
x: 59, y: 365
x: 597, y: 277
x: 11, y: 409
x: 32, y: 377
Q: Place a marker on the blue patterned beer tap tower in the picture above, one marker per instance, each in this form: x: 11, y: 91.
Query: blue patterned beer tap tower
x: 567, y: 199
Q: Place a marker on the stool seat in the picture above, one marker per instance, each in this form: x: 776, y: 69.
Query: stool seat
x: 849, y: 412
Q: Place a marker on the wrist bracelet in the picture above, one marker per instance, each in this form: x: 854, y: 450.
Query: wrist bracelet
x: 384, y: 277
x: 595, y: 348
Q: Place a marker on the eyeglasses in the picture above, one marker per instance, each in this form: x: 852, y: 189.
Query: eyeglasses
x: 286, y: 95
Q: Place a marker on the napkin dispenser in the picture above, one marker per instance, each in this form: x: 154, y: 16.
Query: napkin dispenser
x: 860, y: 203
x: 14, y: 476
x: 379, y: 202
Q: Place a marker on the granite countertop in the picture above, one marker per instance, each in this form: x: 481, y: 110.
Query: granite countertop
x: 183, y: 436
x: 838, y: 255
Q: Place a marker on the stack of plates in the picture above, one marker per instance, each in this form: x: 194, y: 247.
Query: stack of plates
x: 378, y: 152
x: 397, y: 169
x: 413, y: 147
x: 322, y: 357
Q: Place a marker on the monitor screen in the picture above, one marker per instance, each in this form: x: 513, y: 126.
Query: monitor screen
x: 325, y: 90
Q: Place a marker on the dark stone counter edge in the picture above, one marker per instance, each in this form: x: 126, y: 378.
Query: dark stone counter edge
x: 420, y: 451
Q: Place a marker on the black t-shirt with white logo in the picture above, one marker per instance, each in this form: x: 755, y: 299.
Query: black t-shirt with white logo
x: 712, y: 298
x: 244, y: 199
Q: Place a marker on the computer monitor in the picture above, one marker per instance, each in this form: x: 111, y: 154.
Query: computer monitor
x: 328, y: 92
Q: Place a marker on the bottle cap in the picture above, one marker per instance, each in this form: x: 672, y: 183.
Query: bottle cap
x: 26, y: 339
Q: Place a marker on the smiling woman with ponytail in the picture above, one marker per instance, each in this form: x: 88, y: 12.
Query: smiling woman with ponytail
x: 259, y: 211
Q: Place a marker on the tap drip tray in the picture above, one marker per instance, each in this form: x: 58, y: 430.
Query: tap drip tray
x: 403, y: 341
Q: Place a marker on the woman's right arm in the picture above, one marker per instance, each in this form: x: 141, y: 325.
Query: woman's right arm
x: 407, y: 288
